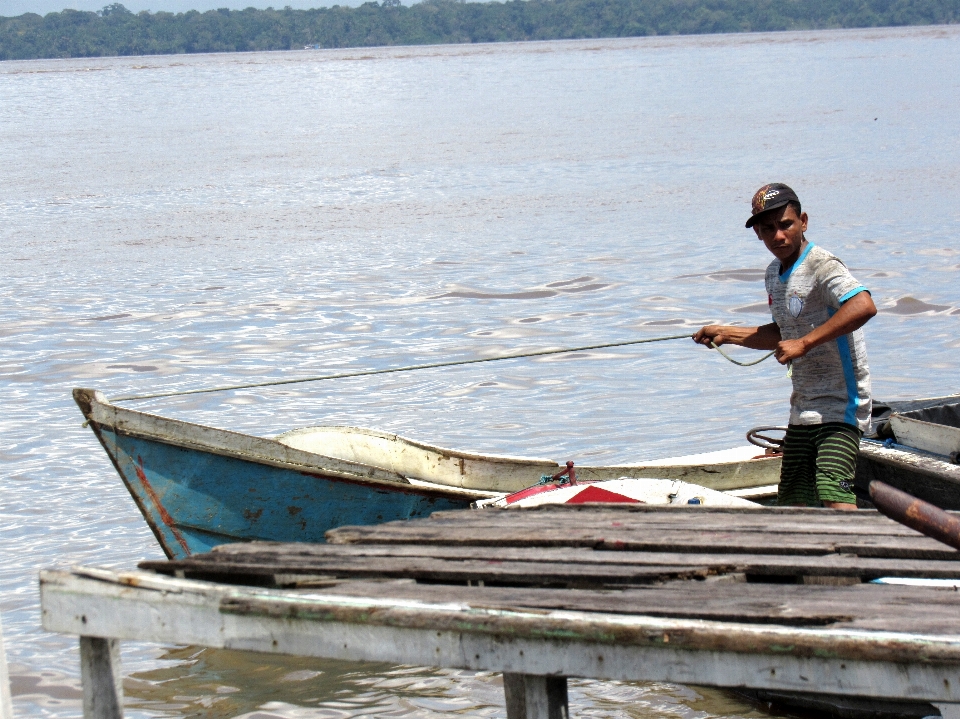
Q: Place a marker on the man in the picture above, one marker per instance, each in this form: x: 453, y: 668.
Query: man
x: 818, y: 309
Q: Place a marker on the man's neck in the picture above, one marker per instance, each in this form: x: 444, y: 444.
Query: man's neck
x: 792, y: 259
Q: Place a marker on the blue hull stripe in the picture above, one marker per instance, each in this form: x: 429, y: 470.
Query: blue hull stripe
x: 194, y: 500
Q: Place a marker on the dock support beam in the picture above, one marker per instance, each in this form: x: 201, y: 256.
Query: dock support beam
x: 531, y: 696
x: 100, y: 675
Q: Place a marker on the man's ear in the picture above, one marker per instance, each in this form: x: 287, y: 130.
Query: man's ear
x: 803, y: 221
x: 756, y: 231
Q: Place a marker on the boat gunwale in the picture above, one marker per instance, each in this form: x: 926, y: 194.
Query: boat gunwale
x: 665, y: 463
x: 129, y: 422
x: 443, y: 451
x: 921, y: 464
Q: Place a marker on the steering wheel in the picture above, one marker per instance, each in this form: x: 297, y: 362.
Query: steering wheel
x: 771, y: 443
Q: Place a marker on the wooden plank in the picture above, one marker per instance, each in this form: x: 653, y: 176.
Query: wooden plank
x: 460, y: 564
x: 866, y: 606
x: 662, y: 512
x: 834, y: 521
x: 100, y: 675
x: 562, y: 643
x: 833, y: 530
x: 444, y: 570
x: 758, y: 563
x: 654, y: 539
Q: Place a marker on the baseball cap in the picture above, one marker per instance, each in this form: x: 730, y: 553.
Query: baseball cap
x: 770, y: 197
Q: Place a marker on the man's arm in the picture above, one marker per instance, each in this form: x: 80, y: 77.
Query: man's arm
x: 765, y: 337
x: 852, y: 315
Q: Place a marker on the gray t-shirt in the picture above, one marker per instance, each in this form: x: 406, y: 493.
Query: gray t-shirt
x: 832, y: 382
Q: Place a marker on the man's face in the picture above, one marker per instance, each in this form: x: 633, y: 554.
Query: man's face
x: 782, y: 231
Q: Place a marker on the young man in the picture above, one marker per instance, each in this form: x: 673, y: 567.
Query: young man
x: 818, y: 309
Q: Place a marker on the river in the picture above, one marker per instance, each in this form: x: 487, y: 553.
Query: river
x: 187, y: 221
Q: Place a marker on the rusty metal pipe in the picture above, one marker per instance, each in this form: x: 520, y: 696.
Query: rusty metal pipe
x: 916, y: 514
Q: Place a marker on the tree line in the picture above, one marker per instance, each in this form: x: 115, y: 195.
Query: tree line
x: 117, y: 31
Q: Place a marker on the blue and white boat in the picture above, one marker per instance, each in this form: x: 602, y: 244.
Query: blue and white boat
x: 198, y: 486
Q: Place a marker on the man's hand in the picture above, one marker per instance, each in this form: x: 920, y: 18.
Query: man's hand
x: 710, y: 333
x: 789, y: 350
x: 765, y: 337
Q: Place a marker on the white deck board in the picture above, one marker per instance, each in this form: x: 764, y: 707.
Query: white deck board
x: 143, y: 606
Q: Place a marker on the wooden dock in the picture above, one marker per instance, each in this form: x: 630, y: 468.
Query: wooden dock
x: 771, y: 599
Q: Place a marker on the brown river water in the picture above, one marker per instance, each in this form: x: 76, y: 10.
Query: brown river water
x: 182, y: 222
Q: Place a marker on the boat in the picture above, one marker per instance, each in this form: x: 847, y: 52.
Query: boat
x: 915, y: 447
x: 198, y: 486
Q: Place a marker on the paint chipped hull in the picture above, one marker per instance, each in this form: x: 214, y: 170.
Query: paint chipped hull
x: 198, y: 487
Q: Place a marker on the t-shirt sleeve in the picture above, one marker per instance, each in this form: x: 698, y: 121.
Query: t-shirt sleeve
x: 837, y: 284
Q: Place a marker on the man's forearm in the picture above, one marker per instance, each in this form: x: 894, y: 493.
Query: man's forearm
x: 852, y: 315
x: 764, y: 337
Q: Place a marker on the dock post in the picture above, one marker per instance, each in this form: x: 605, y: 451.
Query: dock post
x: 6, y: 700
x: 531, y: 696
x: 100, y: 675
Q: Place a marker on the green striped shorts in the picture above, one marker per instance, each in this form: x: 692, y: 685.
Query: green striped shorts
x: 819, y: 464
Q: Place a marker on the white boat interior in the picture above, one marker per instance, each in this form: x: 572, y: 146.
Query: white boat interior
x: 938, y: 434
x: 740, y: 468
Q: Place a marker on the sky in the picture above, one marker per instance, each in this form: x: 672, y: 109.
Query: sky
x: 12, y: 8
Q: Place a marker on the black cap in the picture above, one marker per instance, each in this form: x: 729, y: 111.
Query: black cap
x: 770, y: 197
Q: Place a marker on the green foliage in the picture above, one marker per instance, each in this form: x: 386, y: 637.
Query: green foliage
x: 117, y: 31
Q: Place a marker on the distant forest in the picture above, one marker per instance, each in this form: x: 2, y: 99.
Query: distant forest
x: 117, y: 31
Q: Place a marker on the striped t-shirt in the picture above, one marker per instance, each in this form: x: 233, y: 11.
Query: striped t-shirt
x: 831, y: 383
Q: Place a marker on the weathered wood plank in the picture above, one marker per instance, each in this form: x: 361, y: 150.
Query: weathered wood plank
x: 729, y: 541
x: 593, y: 645
x: 100, y: 675
x: 524, y: 566
x: 866, y: 606
x: 758, y: 520
x: 835, y: 522
x: 444, y: 570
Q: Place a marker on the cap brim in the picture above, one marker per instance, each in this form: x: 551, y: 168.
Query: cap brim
x: 775, y: 206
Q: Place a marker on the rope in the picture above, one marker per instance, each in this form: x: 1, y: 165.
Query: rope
x: 742, y: 364
x: 410, y: 368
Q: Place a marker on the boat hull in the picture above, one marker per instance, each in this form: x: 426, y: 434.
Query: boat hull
x: 195, y: 500
x: 198, y: 487
x: 924, y: 477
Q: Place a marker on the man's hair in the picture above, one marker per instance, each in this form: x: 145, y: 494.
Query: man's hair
x: 796, y: 207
